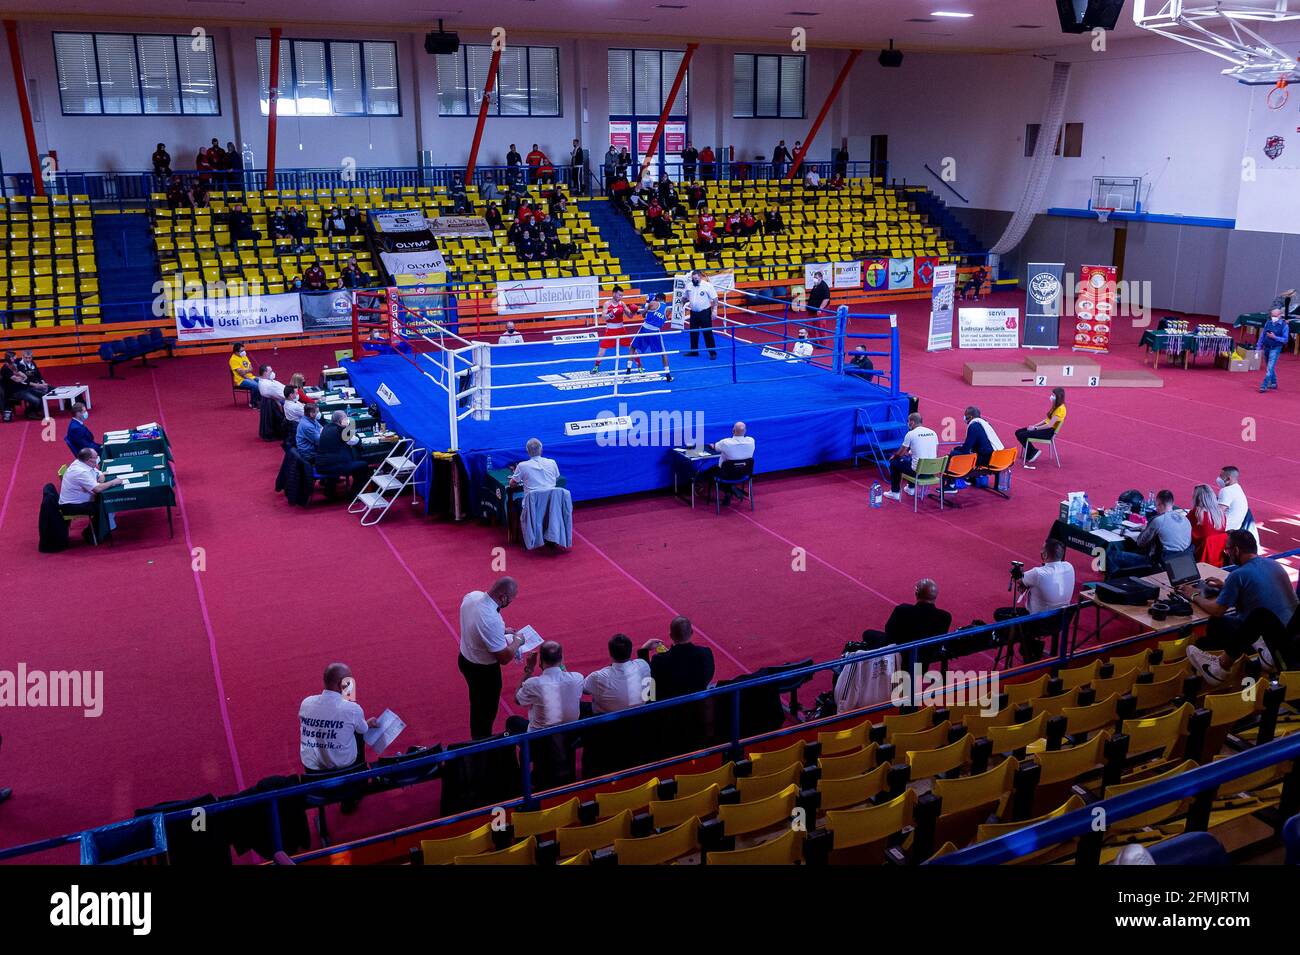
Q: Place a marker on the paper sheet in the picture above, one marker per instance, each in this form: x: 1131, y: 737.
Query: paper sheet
x: 118, y: 469
x: 380, y: 737
x: 532, y: 639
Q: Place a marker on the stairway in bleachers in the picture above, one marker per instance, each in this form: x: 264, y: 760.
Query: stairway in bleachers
x: 624, y: 241
x: 936, y: 210
x: 128, y: 267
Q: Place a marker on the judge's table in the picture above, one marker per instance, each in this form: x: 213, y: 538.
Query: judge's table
x: 1140, y: 614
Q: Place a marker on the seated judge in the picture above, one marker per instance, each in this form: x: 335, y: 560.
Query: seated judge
x: 82, y: 483
x: 267, y: 386
x: 802, y: 348
x: 336, y: 454
x: 306, y: 437
x: 981, y: 440
x: 79, y: 436
x: 736, y: 455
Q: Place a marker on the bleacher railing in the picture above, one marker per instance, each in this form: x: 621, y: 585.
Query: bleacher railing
x: 335, y: 788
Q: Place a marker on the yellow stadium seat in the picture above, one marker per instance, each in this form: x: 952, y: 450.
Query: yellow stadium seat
x: 445, y: 851
x: 668, y: 813
x: 785, y: 849
x: 521, y: 853
x: 675, y: 843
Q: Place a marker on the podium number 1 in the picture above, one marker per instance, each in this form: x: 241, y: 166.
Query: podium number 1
x: 1040, y: 380
x: 1068, y: 371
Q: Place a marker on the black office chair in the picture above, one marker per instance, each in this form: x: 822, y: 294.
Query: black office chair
x: 732, y: 475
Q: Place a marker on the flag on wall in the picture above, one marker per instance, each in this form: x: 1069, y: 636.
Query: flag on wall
x: 875, y: 273
x: 925, y: 266
x: 901, y: 274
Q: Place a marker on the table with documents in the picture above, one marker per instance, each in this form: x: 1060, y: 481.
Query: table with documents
x: 495, y: 503
x: 688, y: 465
x: 149, y: 484
x: 1141, y: 615
x: 144, y: 439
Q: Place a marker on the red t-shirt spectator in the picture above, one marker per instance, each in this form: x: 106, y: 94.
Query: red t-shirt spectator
x: 1208, y: 541
x: 706, y: 155
x: 314, y: 279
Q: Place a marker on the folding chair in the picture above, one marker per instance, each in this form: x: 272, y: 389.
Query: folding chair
x: 929, y: 473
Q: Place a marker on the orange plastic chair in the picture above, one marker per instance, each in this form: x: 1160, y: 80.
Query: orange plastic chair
x: 959, y: 466
x: 1000, y: 462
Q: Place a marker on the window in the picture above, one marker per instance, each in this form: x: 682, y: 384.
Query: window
x: 767, y: 86
x: 124, y: 74
x: 1072, y: 133
x: 331, y: 78
x: 640, y: 81
x: 527, y: 84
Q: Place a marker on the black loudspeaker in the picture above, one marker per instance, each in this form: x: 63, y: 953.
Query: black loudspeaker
x: 1080, y: 16
x: 440, y: 42
x: 891, y: 58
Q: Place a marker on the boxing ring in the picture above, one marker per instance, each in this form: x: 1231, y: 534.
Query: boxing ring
x: 613, y: 432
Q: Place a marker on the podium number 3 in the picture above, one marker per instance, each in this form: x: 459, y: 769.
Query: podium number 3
x: 1094, y: 381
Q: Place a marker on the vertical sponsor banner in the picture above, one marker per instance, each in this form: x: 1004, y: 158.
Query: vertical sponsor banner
x: 941, y: 295
x: 645, y: 132
x: 620, y: 136
x: 1094, y: 308
x: 1043, y: 294
x: 674, y: 139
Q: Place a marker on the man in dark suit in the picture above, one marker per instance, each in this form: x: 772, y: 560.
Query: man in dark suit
x: 914, y: 621
x: 682, y: 668
x: 79, y: 436
x: 981, y: 439
x: 336, y: 454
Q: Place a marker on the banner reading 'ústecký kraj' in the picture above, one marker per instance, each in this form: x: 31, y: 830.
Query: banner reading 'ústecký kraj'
x: 1043, y: 297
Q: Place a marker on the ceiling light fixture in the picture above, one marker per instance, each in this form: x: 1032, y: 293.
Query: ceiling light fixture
x: 952, y: 14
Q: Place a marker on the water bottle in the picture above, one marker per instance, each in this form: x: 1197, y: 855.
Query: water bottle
x: 877, y: 497
x: 1087, y: 513
x: 489, y: 463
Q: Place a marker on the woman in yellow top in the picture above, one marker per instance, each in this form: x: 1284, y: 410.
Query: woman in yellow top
x: 1044, y: 429
x: 241, y: 371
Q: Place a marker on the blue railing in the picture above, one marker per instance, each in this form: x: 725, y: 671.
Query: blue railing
x: 728, y: 695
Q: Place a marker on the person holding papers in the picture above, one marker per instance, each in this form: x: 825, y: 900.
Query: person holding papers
x: 554, y: 697
x: 332, y: 726
x: 82, y: 483
x: 919, y: 443
x: 486, y: 644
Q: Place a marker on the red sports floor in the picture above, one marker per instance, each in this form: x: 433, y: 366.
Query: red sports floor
x: 204, y: 669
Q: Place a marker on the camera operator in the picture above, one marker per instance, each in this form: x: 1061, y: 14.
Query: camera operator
x: 1046, y: 587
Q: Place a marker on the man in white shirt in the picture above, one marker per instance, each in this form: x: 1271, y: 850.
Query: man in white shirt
x: 293, y: 404
x: 1051, y: 585
x: 1233, y: 499
x: 331, y: 726
x: 536, y: 473
x: 812, y: 180
x: 736, y: 455
x: 919, y: 442
x: 621, y: 685
x: 510, y: 336
x: 803, y: 348
x: 267, y: 386
x: 701, y: 296
x: 82, y: 483
x: 486, y: 644
x: 738, y: 447
x: 553, y: 697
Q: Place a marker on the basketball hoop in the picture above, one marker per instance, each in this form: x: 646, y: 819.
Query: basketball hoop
x: 1103, y: 212
x: 1278, y: 95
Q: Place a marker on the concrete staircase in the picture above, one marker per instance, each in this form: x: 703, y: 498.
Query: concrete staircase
x: 128, y: 267
x: 627, y: 245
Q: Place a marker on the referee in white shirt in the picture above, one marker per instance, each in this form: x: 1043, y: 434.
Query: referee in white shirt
x: 701, y: 296
x: 485, y: 644
x: 536, y: 473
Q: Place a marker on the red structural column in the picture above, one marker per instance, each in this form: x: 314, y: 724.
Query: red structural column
x: 488, y: 86
x: 668, y: 106
x: 20, y: 86
x: 821, y: 117
x: 273, y: 106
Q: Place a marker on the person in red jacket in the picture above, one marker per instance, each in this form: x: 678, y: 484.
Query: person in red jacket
x: 706, y: 163
x: 539, y: 164
x: 1209, y: 526
x: 706, y: 238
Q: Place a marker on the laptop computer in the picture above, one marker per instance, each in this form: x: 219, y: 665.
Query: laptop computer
x: 1181, y: 569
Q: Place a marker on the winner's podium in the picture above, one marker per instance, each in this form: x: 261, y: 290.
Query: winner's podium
x: 1065, y: 370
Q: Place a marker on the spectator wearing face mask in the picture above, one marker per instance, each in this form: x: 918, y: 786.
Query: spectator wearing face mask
x: 803, y: 348
x: 80, y: 436
x: 267, y: 386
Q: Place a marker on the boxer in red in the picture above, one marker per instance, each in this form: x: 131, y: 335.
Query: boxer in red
x: 616, y: 313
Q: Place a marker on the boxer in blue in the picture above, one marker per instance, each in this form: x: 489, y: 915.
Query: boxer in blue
x: 648, y: 338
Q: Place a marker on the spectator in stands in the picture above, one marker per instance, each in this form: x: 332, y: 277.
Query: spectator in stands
x: 486, y: 644
x: 18, y: 386
x: 732, y: 223
x: 240, y: 224
x: 623, y: 684
x: 332, y: 730
x: 354, y: 222
x: 652, y: 212
x: 1166, y: 535
x: 267, y: 386
x: 557, y: 204
x: 621, y: 194
x: 79, y: 436
x: 234, y: 163
x: 842, y: 163
x: 82, y: 483
x: 812, y: 179
x: 706, y: 239
x: 1209, y: 526
x: 914, y: 621
x: 177, y: 194
x: 780, y: 157
x: 697, y: 195
x: 624, y: 167
x: 919, y: 442
x: 306, y: 437
x: 296, y: 220
x: 493, y: 216
x: 336, y: 224
x: 975, y: 284
x: 513, y: 162
x: 690, y: 162
x: 353, y: 275
x: 277, y: 225
x: 336, y: 455
x: 981, y: 440
x: 773, y: 224
x: 662, y: 227
x: 202, y: 164
x: 199, y: 194
x: 552, y: 697
x: 1250, y: 614
x: 295, y: 284
x: 668, y: 195
x: 510, y: 336
x: 866, y: 682
x: 748, y: 223
x: 610, y: 167
x: 1044, y: 429
x: 837, y: 182
x: 27, y: 365
x: 162, y: 161
x: 241, y: 370
x: 818, y: 295
x: 681, y: 668
x: 860, y: 363
x: 314, y: 278
x: 293, y: 405
x: 528, y: 247
x: 539, y: 164
x: 578, y: 163
x: 707, y: 169
x: 216, y: 156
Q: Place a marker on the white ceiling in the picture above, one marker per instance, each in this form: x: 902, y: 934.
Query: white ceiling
x: 996, y: 24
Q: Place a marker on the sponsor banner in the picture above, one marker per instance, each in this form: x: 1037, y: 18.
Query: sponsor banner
x: 620, y: 136
x: 326, y: 310
x: 544, y: 295
x: 902, y: 274
x: 1094, y: 308
x: 770, y: 352
x: 414, y: 282
x: 417, y: 264
x: 674, y: 139
x: 386, y: 395
x: 836, y: 274
x: 988, y: 328
x: 722, y: 281
x: 403, y: 220
x: 401, y: 242
x: 580, y: 380
x: 1043, y: 294
x: 925, y: 266
x: 473, y: 226
x: 256, y: 316
x: 575, y: 337
x: 594, y: 425
x: 943, y: 285
x: 875, y: 274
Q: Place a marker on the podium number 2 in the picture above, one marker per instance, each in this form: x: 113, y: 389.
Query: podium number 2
x: 1094, y: 381
x: 1040, y: 379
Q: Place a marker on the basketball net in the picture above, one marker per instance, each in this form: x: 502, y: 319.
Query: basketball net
x: 1278, y: 95
x: 1103, y: 212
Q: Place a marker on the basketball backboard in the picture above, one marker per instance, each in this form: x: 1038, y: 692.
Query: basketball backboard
x: 1118, y: 193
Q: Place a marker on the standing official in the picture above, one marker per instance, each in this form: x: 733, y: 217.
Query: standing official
x: 486, y: 643
x: 701, y: 296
